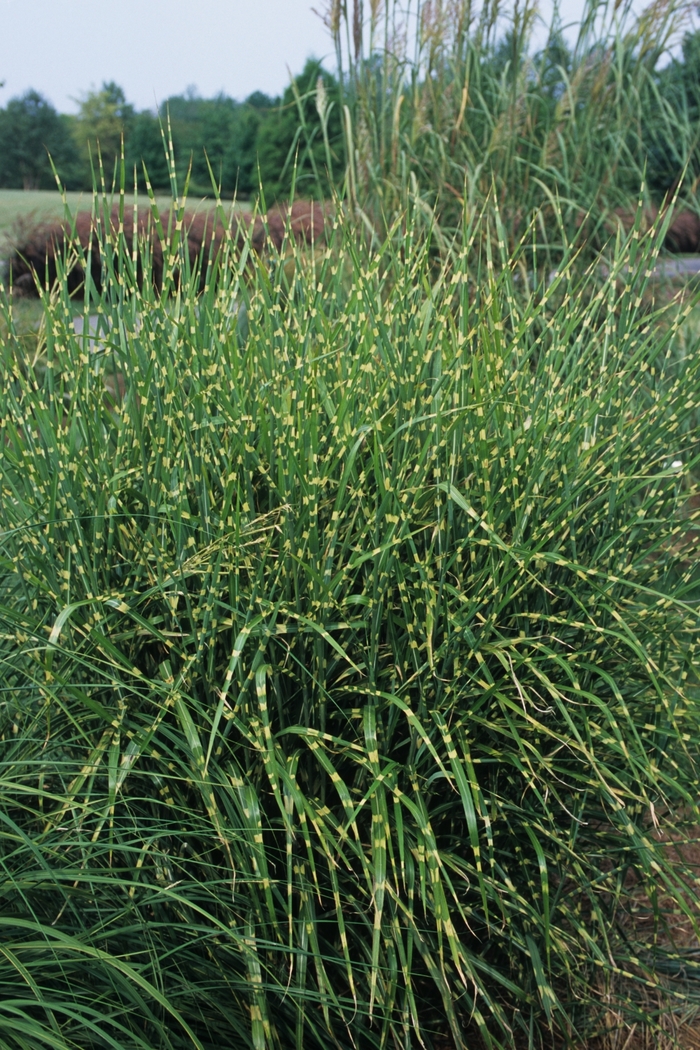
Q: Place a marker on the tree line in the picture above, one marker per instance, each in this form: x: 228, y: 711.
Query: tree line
x: 265, y: 142
x: 241, y: 145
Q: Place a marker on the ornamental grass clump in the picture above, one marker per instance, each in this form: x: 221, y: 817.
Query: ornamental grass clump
x: 348, y: 625
x: 448, y: 102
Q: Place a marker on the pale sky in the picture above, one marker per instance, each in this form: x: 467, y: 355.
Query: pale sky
x: 156, y: 48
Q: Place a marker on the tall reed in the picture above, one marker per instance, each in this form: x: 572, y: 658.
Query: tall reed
x: 448, y: 103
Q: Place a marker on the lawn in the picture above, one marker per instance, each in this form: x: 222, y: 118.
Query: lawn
x: 36, y: 204
x: 43, y: 205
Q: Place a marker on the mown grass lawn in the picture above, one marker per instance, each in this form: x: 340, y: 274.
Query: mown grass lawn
x: 36, y: 204
x: 29, y: 206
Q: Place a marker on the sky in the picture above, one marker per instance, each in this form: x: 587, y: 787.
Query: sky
x: 157, y: 48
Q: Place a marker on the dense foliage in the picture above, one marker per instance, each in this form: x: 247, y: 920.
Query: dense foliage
x: 31, y: 131
x: 347, y: 637
x: 678, y: 99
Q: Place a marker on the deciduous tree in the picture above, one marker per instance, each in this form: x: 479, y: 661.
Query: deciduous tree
x: 103, y: 118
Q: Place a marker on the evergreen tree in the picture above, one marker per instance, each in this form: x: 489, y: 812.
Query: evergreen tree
x: 30, y: 131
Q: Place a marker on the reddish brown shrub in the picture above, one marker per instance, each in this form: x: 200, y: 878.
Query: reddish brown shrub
x: 682, y: 235
x: 35, y: 256
x: 307, y: 222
